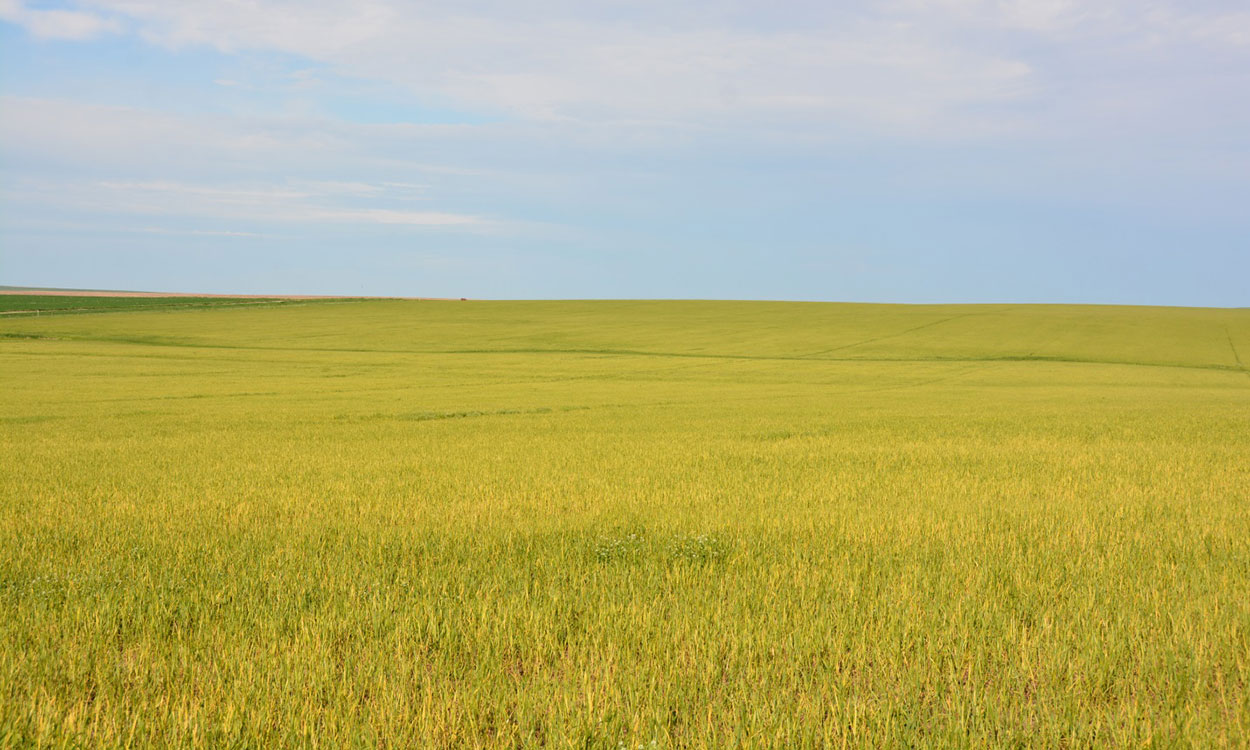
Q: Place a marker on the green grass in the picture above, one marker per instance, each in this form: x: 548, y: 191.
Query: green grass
x: 45, y: 304
x: 588, y: 524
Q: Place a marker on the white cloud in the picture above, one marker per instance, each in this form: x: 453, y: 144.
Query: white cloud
x: 573, y: 66
x: 918, y: 67
x: 203, y: 166
x: 585, y: 92
x: 77, y: 134
x: 56, y: 23
x: 928, y: 69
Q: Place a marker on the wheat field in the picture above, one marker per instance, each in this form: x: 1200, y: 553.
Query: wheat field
x: 625, y: 524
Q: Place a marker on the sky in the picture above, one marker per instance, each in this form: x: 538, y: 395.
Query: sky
x: 890, y: 151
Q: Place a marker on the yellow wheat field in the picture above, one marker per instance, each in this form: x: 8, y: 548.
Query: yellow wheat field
x: 623, y: 524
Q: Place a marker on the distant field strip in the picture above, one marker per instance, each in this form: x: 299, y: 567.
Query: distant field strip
x: 625, y: 524
x: 42, y: 304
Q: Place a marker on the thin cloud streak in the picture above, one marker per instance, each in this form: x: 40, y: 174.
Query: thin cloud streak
x: 199, y: 232
x: 262, y: 204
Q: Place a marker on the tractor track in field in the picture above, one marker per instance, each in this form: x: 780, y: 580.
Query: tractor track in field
x: 1236, y: 356
x: 875, y: 339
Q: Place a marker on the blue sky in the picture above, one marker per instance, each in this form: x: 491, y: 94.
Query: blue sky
x: 899, y: 150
